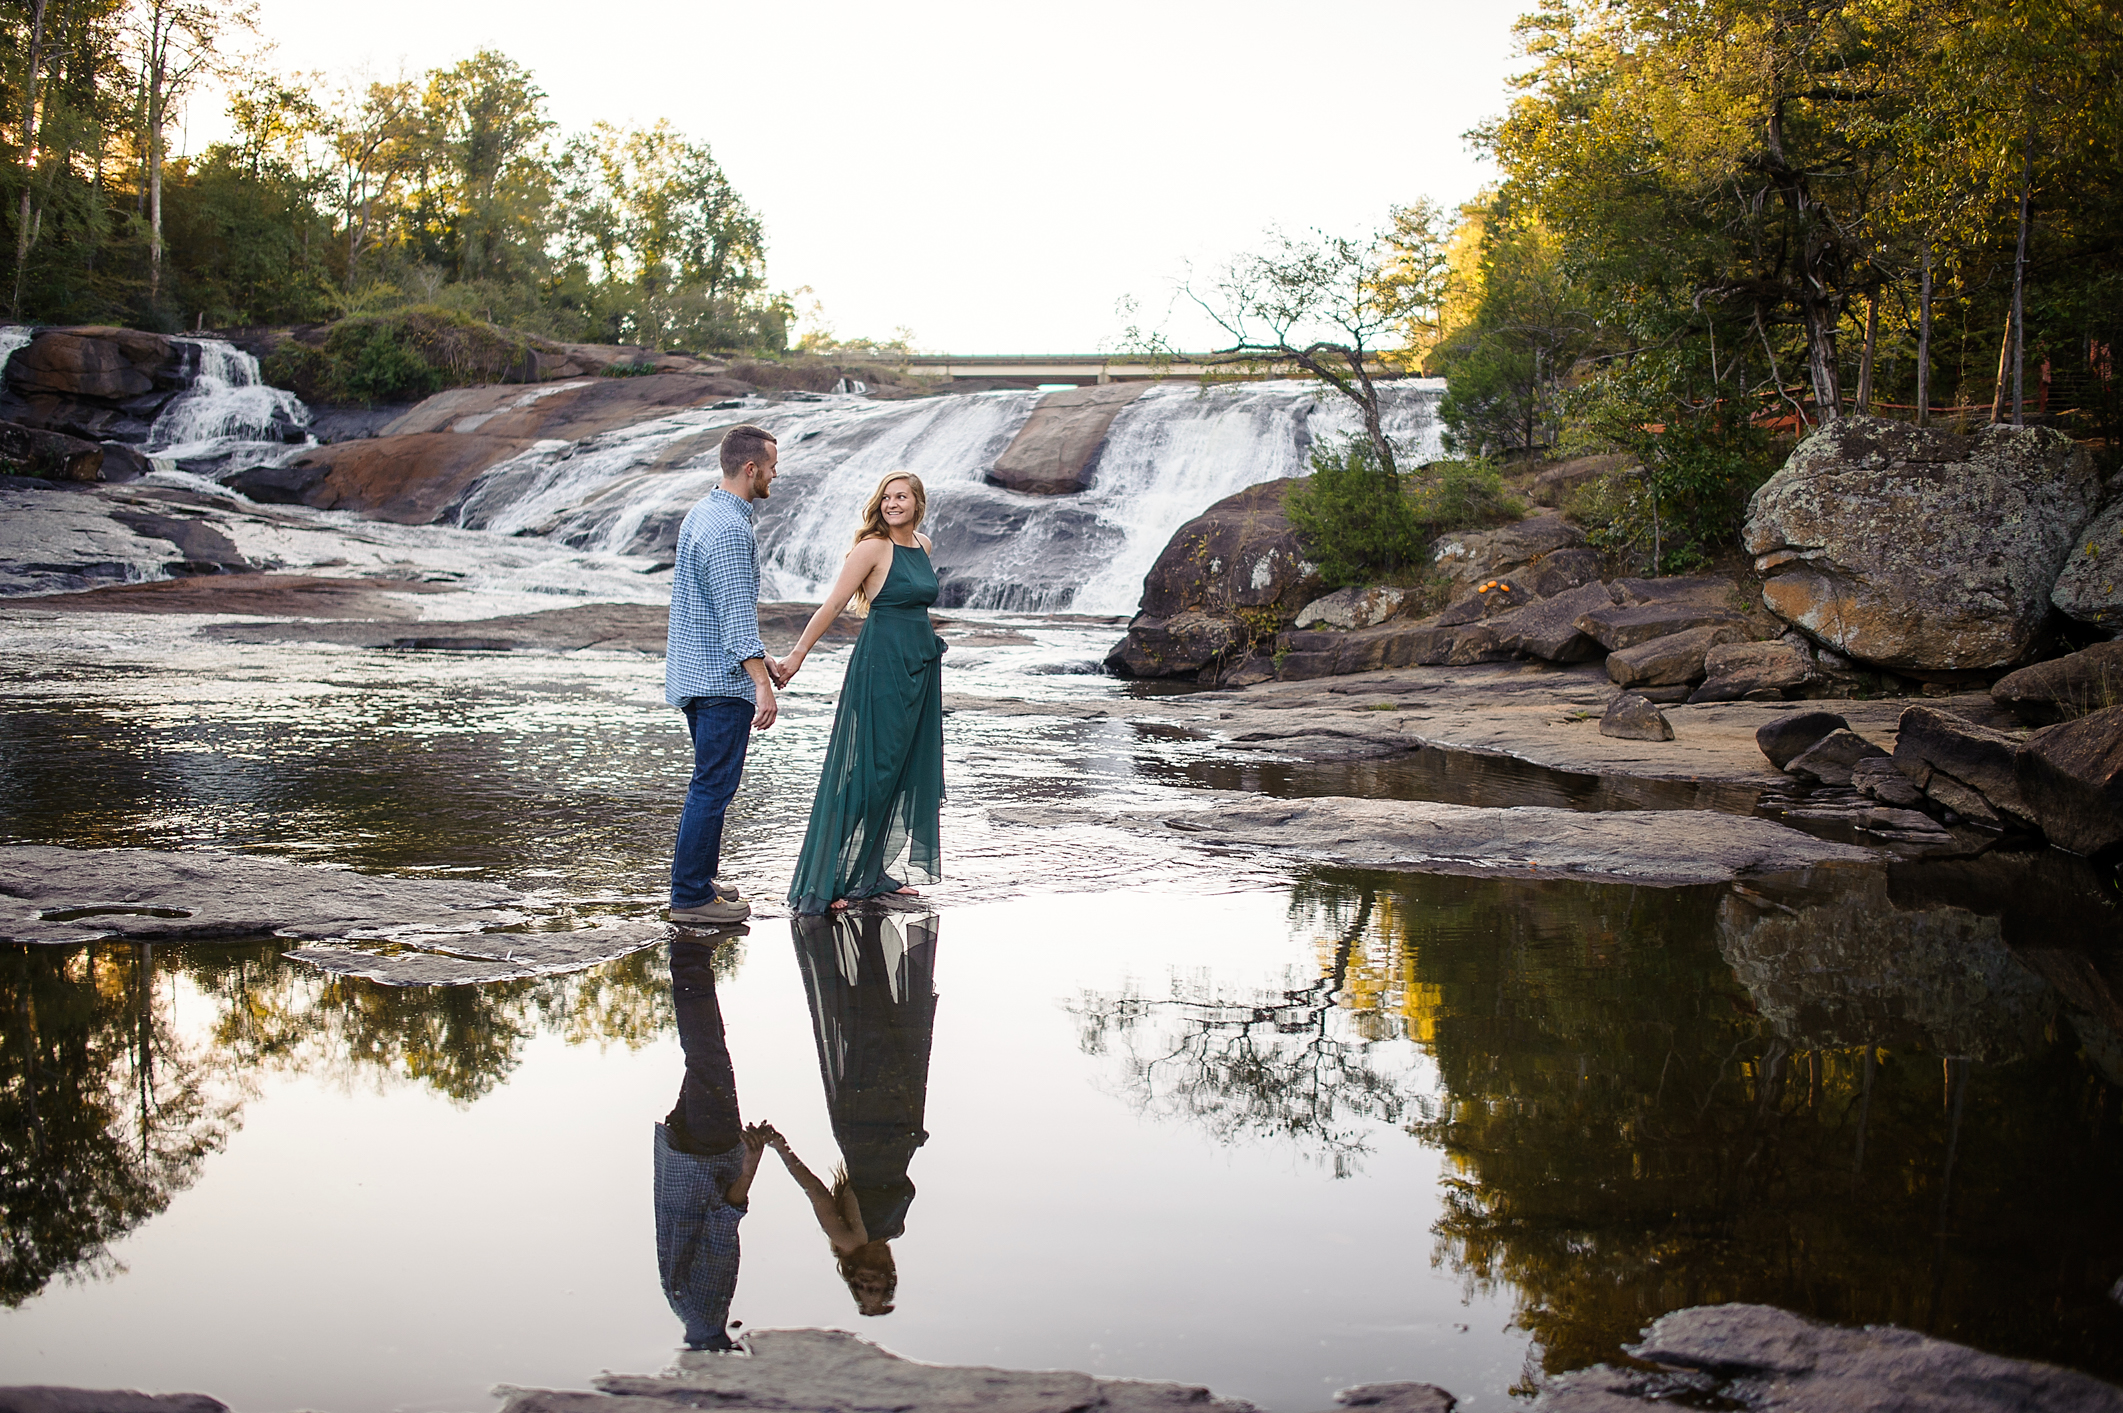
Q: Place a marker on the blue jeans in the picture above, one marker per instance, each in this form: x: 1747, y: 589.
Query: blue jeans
x: 721, y: 728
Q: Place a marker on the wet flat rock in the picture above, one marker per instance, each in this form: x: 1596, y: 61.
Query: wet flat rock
x: 484, y: 957
x: 79, y: 895
x: 303, y: 595
x: 622, y: 627
x: 402, y: 931
x: 1659, y: 847
x: 1765, y: 1360
x: 830, y: 1371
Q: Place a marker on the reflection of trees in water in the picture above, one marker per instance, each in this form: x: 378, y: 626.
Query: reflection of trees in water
x: 1632, y: 1130
x: 108, y: 1107
x: 1241, y: 1063
x: 1630, y: 1136
x: 105, y: 1110
x: 460, y: 1040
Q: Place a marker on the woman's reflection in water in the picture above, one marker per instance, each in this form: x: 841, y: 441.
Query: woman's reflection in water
x: 871, y: 980
x: 705, y: 1157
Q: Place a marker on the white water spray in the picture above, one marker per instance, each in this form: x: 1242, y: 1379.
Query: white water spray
x: 12, y: 337
x: 229, y: 414
x: 1170, y: 454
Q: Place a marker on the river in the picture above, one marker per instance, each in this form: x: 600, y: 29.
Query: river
x: 1221, y: 1119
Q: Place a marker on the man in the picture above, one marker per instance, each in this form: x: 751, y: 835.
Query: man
x: 716, y: 669
x: 705, y: 1157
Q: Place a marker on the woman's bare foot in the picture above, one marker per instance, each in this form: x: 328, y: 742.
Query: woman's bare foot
x: 906, y: 893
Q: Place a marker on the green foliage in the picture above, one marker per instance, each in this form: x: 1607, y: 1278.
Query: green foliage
x: 446, y: 191
x: 627, y: 370
x: 1506, y: 367
x: 1352, y: 517
x: 1683, y: 504
x: 375, y: 360
x: 1362, y: 526
x: 401, y: 356
x: 1460, y: 495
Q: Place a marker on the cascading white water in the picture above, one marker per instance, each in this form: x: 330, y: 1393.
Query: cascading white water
x: 12, y: 337
x: 229, y: 413
x: 1169, y: 455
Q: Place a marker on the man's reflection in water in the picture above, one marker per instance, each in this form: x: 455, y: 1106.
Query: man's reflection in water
x: 871, y: 980
x: 705, y: 1157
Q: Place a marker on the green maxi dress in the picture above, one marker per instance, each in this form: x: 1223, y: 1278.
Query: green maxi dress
x: 873, y: 821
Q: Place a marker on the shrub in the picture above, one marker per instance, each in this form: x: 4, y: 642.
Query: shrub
x: 1354, y: 521
x: 1682, y: 507
x: 1360, y: 528
x: 375, y: 361
x: 1462, y: 495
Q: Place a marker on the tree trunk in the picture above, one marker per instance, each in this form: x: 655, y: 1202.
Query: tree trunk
x: 1821, y: 357
x: 1872, y: 338
x: 1924, y: 340
x: 1997, y: 397
x: 2019, y: 285
x: 29, y: 147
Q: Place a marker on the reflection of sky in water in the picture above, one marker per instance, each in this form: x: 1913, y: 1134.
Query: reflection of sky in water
x: 1190, y: 1118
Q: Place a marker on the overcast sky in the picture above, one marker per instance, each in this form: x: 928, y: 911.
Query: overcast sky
x: 993, y: 176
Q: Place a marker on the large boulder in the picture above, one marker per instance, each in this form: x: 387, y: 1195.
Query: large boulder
x: 1921, y: 548
x: 1758, y: 672
x: 1759, y: 1359
x: 1056, y: 451
x: 94, y: 382
x: 1238, y: 562
x: 1351, y: 608
x: 2071, y: 778
x: 408, y: 480
x: 1620, y: 626
x: 51, y: 456
x: 2072, y: 685
x: 1466, y: 559
x: 1786, y: 738
x: 567, y: 411
x: 1832, y: 759
x: 2091, y: 587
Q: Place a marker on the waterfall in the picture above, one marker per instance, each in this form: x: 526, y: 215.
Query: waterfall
x: 12, y: 337
x: 227, y: 413
x: 1169, y: 455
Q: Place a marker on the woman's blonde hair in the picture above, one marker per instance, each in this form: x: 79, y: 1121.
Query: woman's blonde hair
x: 871, y: 1275
x: 873, y: 525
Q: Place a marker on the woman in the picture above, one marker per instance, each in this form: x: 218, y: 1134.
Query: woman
x: 883, y: 780
x: 871, y: 983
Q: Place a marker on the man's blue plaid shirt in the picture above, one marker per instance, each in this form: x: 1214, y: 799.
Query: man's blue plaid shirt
x: 714, y: 603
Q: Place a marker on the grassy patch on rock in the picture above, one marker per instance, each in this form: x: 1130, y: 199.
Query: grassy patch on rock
x: 400, y: 356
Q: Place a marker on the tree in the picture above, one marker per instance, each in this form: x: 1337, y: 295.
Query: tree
x: 488, y: 189
x: 178, y: 43
x: 1327, y: 304
x: 1527, y: 329
x: 373, y: 132
x: 652, y: 213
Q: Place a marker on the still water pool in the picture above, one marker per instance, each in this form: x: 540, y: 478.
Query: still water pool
x: 1214, y: 1119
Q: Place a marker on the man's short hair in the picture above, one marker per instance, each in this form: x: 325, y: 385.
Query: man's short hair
x: 742, y: 444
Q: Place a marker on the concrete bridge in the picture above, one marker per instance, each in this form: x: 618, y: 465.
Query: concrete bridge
x: 1037, y: 369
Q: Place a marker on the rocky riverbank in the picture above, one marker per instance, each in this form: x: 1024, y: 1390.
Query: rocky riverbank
x: 1746, y: 1357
